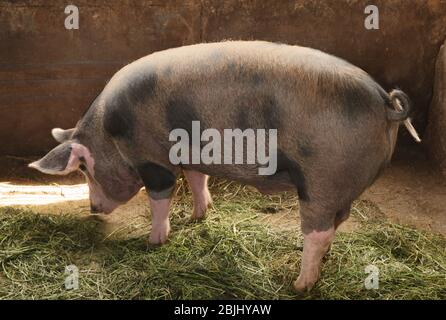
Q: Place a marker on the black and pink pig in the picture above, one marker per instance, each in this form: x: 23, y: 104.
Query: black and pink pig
x: 336, y: 129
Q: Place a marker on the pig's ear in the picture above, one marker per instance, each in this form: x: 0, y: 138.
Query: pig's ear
x: 61, y: 160
x: 62, y: 135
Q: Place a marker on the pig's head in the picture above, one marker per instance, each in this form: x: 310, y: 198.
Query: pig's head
x: 111, y: 180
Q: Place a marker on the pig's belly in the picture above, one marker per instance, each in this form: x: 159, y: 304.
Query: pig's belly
x: 278, y: 182
x: 267, y: 184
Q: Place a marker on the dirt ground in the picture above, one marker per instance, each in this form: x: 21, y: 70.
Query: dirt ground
x: 409, y: 192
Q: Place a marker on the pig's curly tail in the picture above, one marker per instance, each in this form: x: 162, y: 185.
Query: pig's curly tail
x: 400, y: 104
x: 399, y: 111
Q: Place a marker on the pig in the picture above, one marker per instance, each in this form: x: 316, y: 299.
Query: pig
x: 336, y: 131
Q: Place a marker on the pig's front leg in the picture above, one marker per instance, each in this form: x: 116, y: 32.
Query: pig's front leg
x: 160, y: 220
x: 160, y: 184
x: 198, y: 182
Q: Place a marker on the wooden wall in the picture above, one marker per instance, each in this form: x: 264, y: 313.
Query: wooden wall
x: 49, y: 75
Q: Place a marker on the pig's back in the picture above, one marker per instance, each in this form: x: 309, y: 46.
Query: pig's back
x: 249, y: 64
x: 246, y: 84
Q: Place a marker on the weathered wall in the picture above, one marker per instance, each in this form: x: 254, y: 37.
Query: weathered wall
x: 50, y: 74
x: 436, y: 130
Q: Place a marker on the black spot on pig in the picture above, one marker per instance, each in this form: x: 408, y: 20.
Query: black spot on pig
x: 255, y: 78
x: 270, y: 112
x: 167, y: 72
x: 243, y: 121
x: 180, y: 113
x: 245, y: 74
x: 155, y: 177
x: 141, y: 89
x: 233, y: 69
x: 304, y: 148
x: 352, y: 103
x: 216, y: 56
x: 358, y: 98
x: 284, y: 163
x: 258, y: 114
x: 119, y: 119
x: 119, y: 114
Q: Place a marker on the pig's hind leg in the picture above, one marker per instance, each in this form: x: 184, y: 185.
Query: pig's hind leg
x: 318, y: 226
x: 198, y: 182
x: 341, y: 216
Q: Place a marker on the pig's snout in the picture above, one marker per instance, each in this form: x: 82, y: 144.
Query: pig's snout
x: 99, y: 203
x: 102, y: 207
x: 95, y: 209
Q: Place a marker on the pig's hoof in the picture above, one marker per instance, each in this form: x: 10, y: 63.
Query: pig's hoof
x: 302, y: 286
x: 199, y: 212
x: 198, y: 215
x: 159, y: 234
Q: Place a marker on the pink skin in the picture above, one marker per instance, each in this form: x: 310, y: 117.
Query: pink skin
x: 160, y: 208
x: 198, y: 183
x: 77, y: 151
x: 160, y: 220
x: 98, y: 200
x: 316, y: 244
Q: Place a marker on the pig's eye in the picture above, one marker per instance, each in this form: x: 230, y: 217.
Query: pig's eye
x: 82, y: 167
